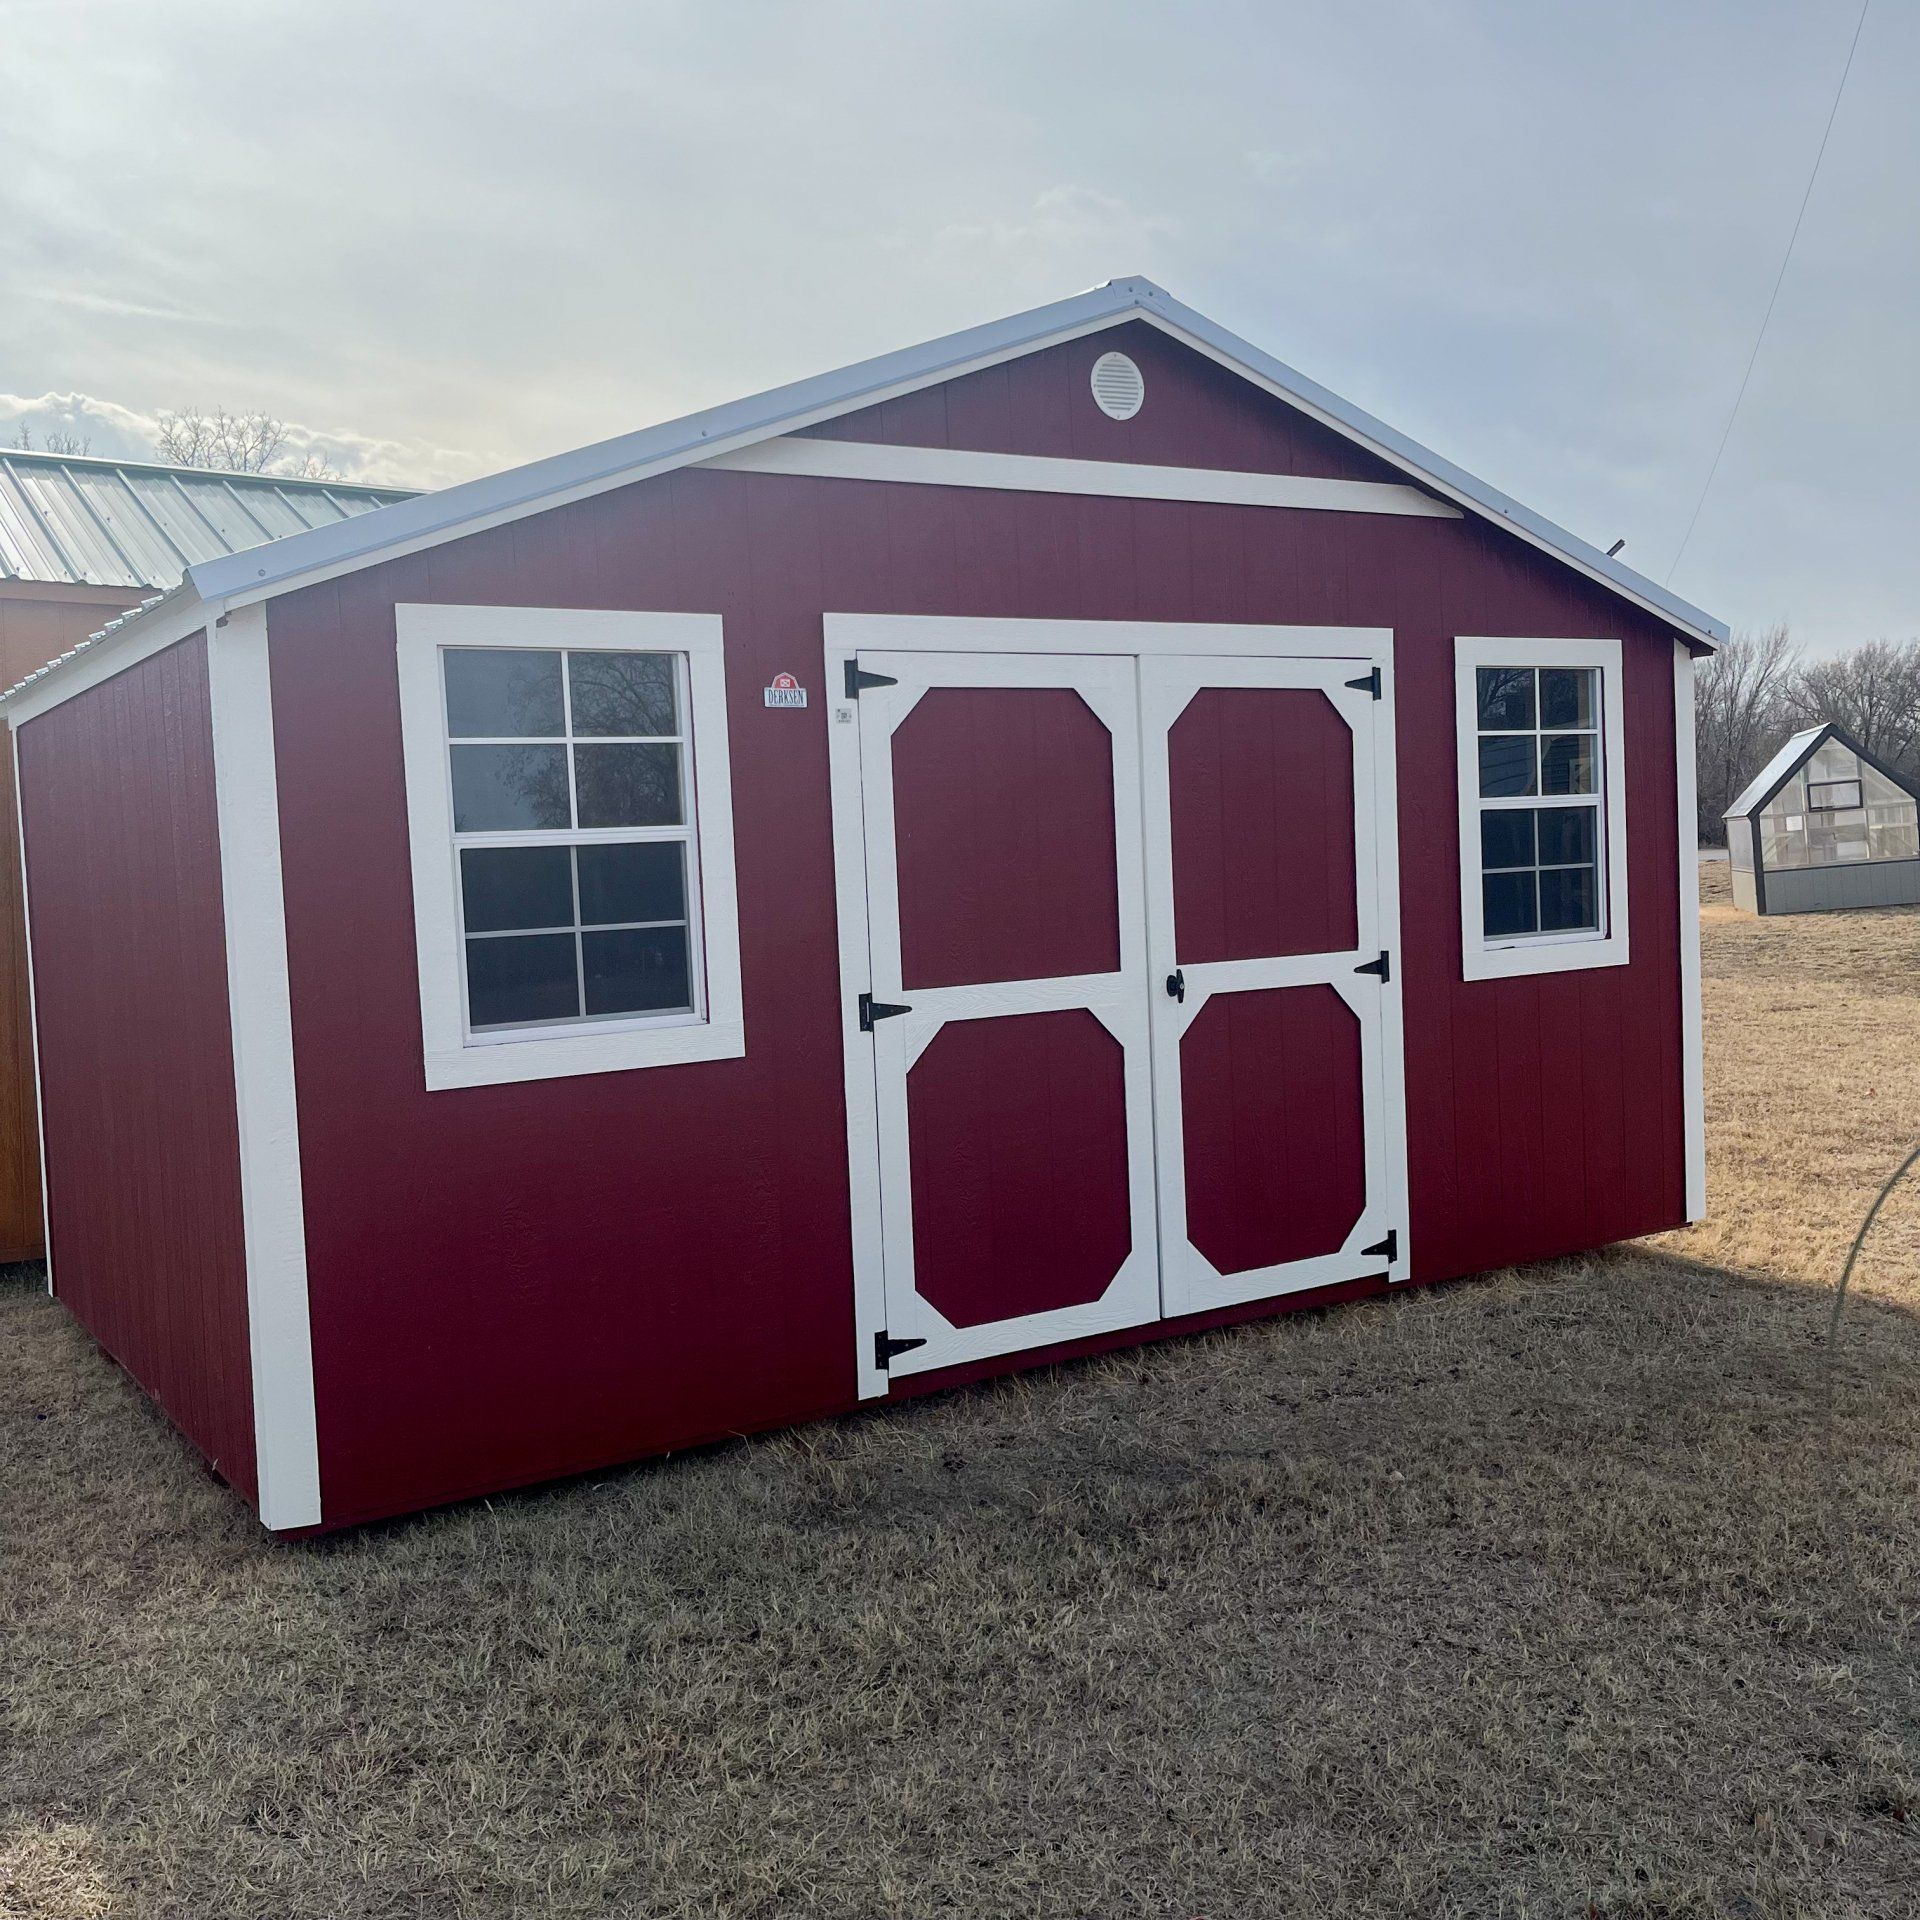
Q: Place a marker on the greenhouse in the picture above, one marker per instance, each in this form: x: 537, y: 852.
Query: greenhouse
x: 1824, y: 825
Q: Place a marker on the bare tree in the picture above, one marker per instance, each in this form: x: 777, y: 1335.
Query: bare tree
x: 57, y: 441
x: 1873, y: 692
x: 236, y: 443
x: 1742, y: 712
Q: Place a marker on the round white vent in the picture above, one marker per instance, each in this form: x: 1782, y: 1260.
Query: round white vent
x: 1118, y: 390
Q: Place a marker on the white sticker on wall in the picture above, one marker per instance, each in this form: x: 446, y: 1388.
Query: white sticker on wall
x: 786, y: 691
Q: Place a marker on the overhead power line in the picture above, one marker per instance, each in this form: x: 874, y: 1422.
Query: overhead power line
x: 1779, y: 279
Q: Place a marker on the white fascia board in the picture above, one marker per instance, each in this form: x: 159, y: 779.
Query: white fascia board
x: 1355, y: 423
x: 303, y: 559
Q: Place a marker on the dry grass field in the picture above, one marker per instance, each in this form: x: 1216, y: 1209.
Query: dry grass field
x: 1555, y: 1594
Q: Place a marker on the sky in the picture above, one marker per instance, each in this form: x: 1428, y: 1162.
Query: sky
x: 444, y: 237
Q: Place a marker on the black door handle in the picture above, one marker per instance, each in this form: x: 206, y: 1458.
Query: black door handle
x: 1177, y: 984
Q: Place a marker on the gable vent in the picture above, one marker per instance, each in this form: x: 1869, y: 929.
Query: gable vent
x: 1118, y: 389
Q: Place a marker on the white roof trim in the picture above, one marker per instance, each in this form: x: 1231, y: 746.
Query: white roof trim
x: 301, y: 559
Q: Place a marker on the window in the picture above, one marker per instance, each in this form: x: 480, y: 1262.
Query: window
x: 571, y: 838
x: 1542, y: 811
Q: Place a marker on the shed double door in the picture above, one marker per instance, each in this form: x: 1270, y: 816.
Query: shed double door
x: 1125, y: 1014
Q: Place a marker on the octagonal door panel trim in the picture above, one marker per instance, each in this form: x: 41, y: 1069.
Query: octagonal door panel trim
x: 1113, y: 926
x: 1282, y: 778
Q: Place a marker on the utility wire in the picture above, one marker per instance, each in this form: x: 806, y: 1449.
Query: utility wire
x: 1779, y: 280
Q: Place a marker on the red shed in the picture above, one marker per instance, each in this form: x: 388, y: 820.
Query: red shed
x: 1062, y: 835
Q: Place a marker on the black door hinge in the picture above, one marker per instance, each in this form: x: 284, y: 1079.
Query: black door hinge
x: 1368, y: 682
x: 1383, y: 967
x: 885, y: 1347
x: 1177, y: 984
x: 1389, y: 1248
x: 872, y: 1010
x: 858, y: 677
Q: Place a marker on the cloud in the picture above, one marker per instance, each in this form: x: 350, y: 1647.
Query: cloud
x: 114, y: 431
x: 117, y: 308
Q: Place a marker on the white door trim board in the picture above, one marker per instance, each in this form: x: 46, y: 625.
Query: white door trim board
x: 1189, y: 1281
x: 1118, y: 1000
x: 285, y: 1428
x: 1039, y: 473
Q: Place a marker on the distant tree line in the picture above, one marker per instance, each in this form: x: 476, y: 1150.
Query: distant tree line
x: 1757, y: 690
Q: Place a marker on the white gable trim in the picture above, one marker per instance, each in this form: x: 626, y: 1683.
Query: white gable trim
x: 304, y: 559
x: 1038, y: 473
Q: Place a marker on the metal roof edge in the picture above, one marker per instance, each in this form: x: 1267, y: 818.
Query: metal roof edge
x: 175, y: 601
x: 205, y: 473
x: 279, y: 566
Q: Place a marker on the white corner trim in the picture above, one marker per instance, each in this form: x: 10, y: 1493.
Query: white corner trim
x: 33, y: 1005
x: 451, y: 1057
x: 1693, y: 1073
x: 285, y: 1430
x: 1033, y: 473
x: 1481, y: 959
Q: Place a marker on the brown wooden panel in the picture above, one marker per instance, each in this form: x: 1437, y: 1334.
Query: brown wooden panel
x: 1262, y: 803
x: 1018, y: 1148
x: 1003, y: 816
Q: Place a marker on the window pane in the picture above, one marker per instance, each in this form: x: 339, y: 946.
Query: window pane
x: 1506, y: 837
x: 1829, y: 794
x: 499, y: 788
x: 641, y: 971
x: 1508, y: 904
x: 1567, y: 896
x: 506, y: 887
x: 1506, y: 766
x: 645, y: 880
x: 502, y: 691
x: 622, y: 692
x: 1566, y: 763
x: 1506, y: 698
x: 1566, y: 697
x: 1566, y: 836
x: 627, y: 786
x: 521, y: 979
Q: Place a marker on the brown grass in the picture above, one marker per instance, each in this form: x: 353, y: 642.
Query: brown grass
x: 1550, y: 1595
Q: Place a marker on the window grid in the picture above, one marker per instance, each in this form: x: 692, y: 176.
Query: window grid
x: 573, y: 836
x: 1538, y: 801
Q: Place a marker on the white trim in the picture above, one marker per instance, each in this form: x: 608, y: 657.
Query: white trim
x: 1032, y: 473
x: 285, y: 1429
x: 1190, y: 1283
x: 1484, y: 959
x: 33, y: 1005
x: 967, y: 633
x: 322, y: 553
x: 452, y: 1057
x: 1693, y: 1079
x: 846, y: 635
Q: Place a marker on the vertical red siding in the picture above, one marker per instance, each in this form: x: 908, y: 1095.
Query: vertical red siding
x: 130, y: 976
x: 515, y: 1281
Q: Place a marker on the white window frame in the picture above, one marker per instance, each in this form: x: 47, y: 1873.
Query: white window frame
x: 1507, y: 957
x: 715, y: 1029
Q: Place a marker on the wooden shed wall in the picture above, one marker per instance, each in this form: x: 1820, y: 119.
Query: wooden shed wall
x: 36, y: 623
x: 518, y: 1281
x: 129, y: 954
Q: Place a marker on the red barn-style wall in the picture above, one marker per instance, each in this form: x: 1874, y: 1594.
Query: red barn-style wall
x: 462, y: 1282
x: 513, y: 1282
x: 130, y: 998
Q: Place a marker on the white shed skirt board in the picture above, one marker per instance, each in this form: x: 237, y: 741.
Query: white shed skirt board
x: 1118, y: 906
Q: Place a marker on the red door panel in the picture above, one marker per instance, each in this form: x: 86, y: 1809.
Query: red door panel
x: 1003, y: 820
x: 1260, y: 792
x: 1275, y: 1142
x: 1018, y: 1145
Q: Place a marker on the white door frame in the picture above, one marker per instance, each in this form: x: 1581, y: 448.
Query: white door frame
x: 1190, y: 1283
x: 845, y: 636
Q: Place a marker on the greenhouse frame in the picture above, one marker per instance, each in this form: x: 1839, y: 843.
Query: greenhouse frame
x: 1825, y: 825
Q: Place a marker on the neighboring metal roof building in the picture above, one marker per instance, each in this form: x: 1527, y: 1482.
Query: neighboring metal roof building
x: 72, y: 520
